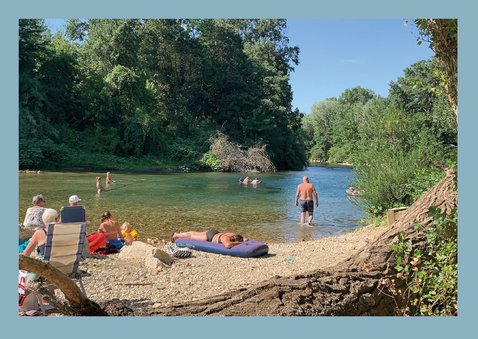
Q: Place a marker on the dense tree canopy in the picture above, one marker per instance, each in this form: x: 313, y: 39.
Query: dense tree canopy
x: 399, y: 145
x: 156, y: 88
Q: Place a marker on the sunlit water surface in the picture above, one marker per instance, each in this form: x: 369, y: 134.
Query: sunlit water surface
x: 159, y: 204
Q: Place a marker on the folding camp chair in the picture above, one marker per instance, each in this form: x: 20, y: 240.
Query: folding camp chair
x: 72, y: 214
x: 64, y: 246
x: 75, y: 213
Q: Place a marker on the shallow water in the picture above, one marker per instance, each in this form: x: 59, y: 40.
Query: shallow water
x: 159, y: 204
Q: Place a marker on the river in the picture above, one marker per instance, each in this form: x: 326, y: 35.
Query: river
x: 158, y: 204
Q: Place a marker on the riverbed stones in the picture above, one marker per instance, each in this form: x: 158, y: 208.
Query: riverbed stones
x: 142, y: 283
x: 162, y: 256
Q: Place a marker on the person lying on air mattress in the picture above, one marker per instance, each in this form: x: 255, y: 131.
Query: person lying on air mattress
x: 228, y: 239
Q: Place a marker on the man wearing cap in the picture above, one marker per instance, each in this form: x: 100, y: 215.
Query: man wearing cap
x: 74, y: 200
x: 75, y: 212
x: 80, y: 215
x: 33, y: 216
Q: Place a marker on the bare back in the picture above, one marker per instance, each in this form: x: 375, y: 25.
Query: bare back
x: 306, y: 191
x: 111, y: 229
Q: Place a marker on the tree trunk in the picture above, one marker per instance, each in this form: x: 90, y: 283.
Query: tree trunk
x: 79, y: 303
x: 357, y: 286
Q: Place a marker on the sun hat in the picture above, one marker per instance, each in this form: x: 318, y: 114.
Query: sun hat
x: 74, y: 199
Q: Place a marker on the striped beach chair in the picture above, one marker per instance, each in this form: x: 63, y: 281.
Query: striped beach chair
x: 64, y: 247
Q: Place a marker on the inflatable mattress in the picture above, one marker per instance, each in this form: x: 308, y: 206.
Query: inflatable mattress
x: 247, y: 249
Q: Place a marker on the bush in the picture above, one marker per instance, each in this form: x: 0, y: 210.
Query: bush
x: 211, y: 161
x: 431, y: 273
x: 54, y: 155
x: 338, y: 154
x: 30, y: 154
x: 43, y: 154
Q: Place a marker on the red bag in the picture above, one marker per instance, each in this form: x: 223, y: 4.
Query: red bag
x: 97, y: 241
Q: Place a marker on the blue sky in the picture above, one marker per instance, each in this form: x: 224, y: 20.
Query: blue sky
x: 340, y: 54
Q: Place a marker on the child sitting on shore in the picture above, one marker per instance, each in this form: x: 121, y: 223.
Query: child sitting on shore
x: 129, y: 233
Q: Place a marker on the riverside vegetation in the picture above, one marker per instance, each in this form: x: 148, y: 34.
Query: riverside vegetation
x: 154, y: 93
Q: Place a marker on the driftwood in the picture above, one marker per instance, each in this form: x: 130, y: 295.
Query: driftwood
x: 357, y: 286
x: 79, y: 304
x: 235, y: 158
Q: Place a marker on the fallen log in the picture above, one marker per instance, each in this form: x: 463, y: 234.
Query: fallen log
x: 79, y: 304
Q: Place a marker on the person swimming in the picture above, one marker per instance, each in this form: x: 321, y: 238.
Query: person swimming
x: 256, y: 181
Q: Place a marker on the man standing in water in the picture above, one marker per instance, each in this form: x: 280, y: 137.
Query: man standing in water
x: 305, y: 191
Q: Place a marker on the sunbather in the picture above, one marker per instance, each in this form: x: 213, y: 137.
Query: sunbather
x: 228, y: 239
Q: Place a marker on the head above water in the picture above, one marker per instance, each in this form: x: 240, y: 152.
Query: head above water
x: 305, y: 179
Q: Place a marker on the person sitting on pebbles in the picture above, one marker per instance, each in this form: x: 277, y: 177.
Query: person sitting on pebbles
x: 228, y: 239
x: 112, y: 230
x: 129, y: 233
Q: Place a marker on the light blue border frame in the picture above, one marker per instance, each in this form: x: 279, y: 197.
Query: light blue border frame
x: 240, y: 327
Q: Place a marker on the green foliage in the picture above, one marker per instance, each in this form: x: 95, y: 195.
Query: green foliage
x: 431, y: 273
x: 30, y: 154
x: 442, y: 36
x: 210, y: 161
x: 35, y: 153
x: 158, y: 87
x: 399, y: 145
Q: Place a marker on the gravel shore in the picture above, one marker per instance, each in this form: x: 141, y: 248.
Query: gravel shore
x: 131, y: 278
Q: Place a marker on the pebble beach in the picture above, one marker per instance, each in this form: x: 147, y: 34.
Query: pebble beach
x: 140, y: 280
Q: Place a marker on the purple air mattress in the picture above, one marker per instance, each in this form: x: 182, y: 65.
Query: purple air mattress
x: 247, y: 249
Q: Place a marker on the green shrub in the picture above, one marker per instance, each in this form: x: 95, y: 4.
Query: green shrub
x: 44, y: 154
x: 30, y: 155
x: 211, y: 161
x: 431, y: 273
x: 53, y: 155
x: 338, y: 154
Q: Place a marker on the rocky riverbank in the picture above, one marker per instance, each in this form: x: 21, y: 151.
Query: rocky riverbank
x: 137, y: 279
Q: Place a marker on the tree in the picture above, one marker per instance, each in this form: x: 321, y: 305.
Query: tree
x: 442, y: 36
x: 420, y: 92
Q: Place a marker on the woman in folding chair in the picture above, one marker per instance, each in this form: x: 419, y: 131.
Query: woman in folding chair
x: 38, y: 238
x: 37, y: 242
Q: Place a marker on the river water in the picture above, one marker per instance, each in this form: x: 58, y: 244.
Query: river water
x: 159, y: 204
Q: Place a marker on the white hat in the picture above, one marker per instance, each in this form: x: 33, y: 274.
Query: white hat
x: 74, y: 199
